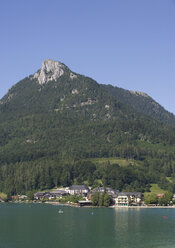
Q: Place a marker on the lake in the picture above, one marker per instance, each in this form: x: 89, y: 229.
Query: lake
x: 41, y: 226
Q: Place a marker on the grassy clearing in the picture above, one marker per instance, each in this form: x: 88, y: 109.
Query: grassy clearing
x: 155, y: 147
x: 155, y: 189
x: 3, y: 196
x: 169, y: 179
x: 119, y: 161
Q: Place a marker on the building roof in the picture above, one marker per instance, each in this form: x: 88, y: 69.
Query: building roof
x: 160, y: 195
x: 78, y: 187
x: 58, y: 191
x: 40, y: 193
x: 105, y: 189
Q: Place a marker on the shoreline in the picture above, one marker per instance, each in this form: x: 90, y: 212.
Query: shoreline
x: 142, y: 207
x: 116, y: 207
x: 78, y: 206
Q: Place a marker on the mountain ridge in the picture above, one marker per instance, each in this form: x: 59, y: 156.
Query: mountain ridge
x: 50, y: 126
x: 142, y: 103
x: 52, y: 70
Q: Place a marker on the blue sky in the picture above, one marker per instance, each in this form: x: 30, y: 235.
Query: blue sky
x: 127, y: 43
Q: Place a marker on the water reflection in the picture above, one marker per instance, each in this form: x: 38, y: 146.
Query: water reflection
x: 42, y: 226
x: 144, y: 228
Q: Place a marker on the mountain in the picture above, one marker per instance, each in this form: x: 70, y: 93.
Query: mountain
x: 142, y: 103
x: 56, y: 87
x: 54, y: 121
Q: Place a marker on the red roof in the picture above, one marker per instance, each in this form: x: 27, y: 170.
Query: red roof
x: 160, y: 195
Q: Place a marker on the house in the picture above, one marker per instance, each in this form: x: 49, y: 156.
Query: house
x: 49, y: 194
x: 22, y: 197
x: 15, y: 197
x: 78, y: 190
x: 128, y: 199
x: 135, y: 198
x: 39, y: 195
x: 110, y: 191
x: 58, y: 193
x: 122, y: 199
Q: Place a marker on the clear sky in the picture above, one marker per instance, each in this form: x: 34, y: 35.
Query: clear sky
x: 126, y: 43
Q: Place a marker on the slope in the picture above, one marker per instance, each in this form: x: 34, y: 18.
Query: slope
x: 51, y: 120
x: 142, y: 103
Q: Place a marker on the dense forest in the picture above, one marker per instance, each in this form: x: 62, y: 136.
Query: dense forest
x: 48, y: 133
x: 44, y: 174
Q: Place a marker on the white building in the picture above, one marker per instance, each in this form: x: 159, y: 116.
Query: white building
x: 78, y: 190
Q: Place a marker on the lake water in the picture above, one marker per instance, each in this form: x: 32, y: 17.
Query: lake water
x: 41, y: 226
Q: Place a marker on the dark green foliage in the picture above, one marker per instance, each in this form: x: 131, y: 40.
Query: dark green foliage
x: 142, y: 103
x: 107, y: 200
x: 48, y: 131
x: 30, y: 195
x: 45, y: 174
x: 95, y: 198
x: 101, y: 199
x: 151, y: 199
x: 166, y: 199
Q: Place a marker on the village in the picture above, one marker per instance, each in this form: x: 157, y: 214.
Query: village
x: 82, y: 195
x: 120, y: 199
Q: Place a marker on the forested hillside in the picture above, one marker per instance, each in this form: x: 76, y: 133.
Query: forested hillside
x: 142, y: 103
x: 52, y: 122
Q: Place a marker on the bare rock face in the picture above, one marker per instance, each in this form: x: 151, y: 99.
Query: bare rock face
x: 139, y: 93
x: 50, y: 70
x: 72, y: 76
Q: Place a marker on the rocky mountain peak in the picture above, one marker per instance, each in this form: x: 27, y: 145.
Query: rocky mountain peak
x: 50, y: 70
x: 139, y: 93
